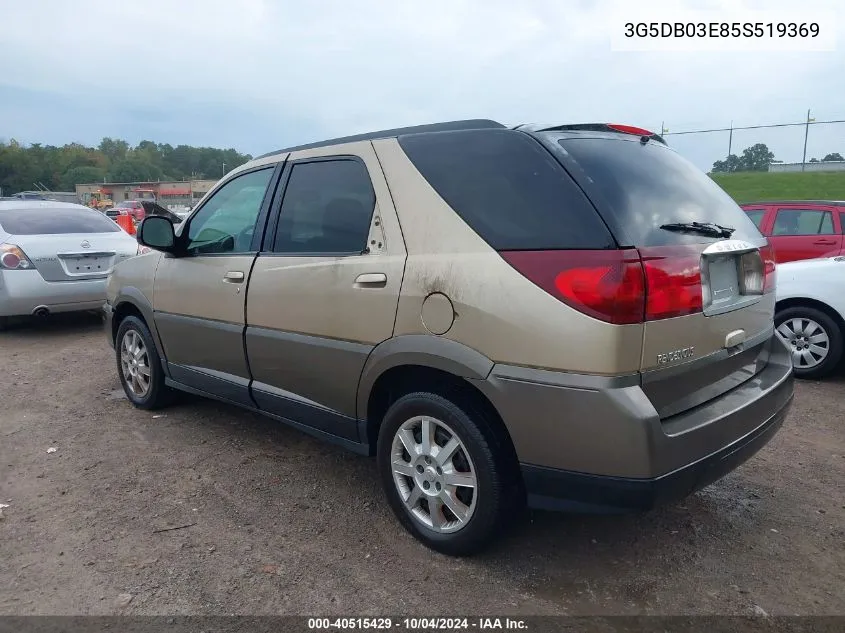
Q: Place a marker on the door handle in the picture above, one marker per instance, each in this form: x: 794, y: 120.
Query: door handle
x: 233, y: 277
x: 371, y: 279
x: 825, y: 242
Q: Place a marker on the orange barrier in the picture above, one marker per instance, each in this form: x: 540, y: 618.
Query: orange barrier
x: 126, y: 223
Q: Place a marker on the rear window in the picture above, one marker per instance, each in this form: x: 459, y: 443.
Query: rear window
x: 509, y: 189
x: 645, y: 185
x: 55, y: 221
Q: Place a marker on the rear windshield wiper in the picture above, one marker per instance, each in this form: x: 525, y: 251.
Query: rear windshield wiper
x: 703, y: 228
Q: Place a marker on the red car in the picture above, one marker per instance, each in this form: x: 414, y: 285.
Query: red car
x: 135, y: 208
x: 802, y: 229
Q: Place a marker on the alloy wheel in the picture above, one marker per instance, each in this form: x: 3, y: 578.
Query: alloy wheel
x: 135, y: 363
x: 434, y: 474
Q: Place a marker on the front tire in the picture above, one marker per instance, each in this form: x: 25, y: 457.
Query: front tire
x: 444, y: 476
x: 814, y: 339
x: 139, y: 365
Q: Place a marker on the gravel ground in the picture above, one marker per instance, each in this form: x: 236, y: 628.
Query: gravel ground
x: 279, y: 523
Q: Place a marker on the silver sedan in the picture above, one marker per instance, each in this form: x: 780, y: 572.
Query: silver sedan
x: 55, y: 257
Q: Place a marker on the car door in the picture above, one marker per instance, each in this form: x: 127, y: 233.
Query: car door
x: 199, y: 296
x: 804, y: 232
x: 324, y: 290
x: 757, y: 214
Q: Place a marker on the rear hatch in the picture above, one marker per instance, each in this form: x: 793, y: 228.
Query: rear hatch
x: 708, y: 272
x: 67, y: 244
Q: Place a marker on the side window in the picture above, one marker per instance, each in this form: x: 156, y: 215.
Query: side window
x: 509, y: 189
x: 803, y: 222
x: 757, y: 216
x: 327, y: 208
x: 226, y: 222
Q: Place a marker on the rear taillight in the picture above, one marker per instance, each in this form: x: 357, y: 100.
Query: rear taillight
x: 673, y: 281
x: 607, y: 285
x: 767, y: 253
x: 13, y: 258
x: 619, y: 287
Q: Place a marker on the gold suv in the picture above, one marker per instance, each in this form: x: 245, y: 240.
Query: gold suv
x: 572, y: 316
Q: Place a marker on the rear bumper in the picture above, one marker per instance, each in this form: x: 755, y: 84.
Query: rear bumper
x: 597, y: 443
x: 552, y: 489
x: 22, y: 291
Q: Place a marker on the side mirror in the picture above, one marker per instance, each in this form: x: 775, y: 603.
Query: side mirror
x: 157, y: 232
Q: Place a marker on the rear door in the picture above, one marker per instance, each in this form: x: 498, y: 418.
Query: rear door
x: 805, y: 232
x: 68, y: 244
x: 708, y: 317
x: 325, y: 288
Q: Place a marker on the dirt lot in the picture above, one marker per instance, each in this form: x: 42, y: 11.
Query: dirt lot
x: 283, y: 524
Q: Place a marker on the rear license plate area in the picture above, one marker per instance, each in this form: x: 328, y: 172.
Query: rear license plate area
x: 86, y: 264
x: 724, y: 280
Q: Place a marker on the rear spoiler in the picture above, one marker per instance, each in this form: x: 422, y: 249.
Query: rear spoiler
x: 615, y: 128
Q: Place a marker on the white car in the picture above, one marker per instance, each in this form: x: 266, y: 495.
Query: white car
x: 55, y: 257
x: 810, y: 313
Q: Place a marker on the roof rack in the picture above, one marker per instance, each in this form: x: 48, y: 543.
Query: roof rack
x: 449, y: 126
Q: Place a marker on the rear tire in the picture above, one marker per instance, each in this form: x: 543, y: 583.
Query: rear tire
x: 814, y: 339
x: 451, y: 491
x: 139, y: 366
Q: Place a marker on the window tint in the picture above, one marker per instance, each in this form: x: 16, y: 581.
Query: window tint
x: 756, y: 216
x: 226, y: 222
x: 803, y: 222
x: 327, y: 208
x: 508, y: 188
x: 55, y: 221
x: 646, y: 185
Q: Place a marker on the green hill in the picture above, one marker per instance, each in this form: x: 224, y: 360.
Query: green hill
x: 759, y: 186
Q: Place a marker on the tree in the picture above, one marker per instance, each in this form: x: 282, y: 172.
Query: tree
x: 833, y: 156
x: 134, y: 170
x: 28, y: 167
x: 113, y: 149
x: 80, y: 175
x: 731, y: 164
x: 756, y: 158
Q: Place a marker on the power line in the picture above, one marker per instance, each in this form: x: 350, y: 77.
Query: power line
x: 753, y: 127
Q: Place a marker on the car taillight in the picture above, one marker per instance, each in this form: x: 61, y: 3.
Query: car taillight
x: 620, y: 286
x: 607, y: 285
x: 13, y: 258
x: 767, y: 253
x: 673, y: 281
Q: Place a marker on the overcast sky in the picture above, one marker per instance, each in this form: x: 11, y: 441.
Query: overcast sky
x: 258, y: 75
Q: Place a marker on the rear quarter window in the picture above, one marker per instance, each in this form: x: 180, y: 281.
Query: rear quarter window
x: 641, y: 186
x: 55, y: 221
x: 509, y: 189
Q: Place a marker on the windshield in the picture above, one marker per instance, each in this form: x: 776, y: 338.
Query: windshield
x: 647, y: 185
x: 55, y: 221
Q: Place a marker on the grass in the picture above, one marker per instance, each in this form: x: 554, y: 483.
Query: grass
x: 760, y: 186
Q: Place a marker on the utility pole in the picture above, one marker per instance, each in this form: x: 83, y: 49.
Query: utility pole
x: 730, y: 139
x: 806, y: 134
x: 224, y: 169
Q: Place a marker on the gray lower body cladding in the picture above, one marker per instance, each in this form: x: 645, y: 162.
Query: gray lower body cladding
x: 598, y: 443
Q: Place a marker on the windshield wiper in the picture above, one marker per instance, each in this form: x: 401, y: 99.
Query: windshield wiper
x: 703, y: 228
